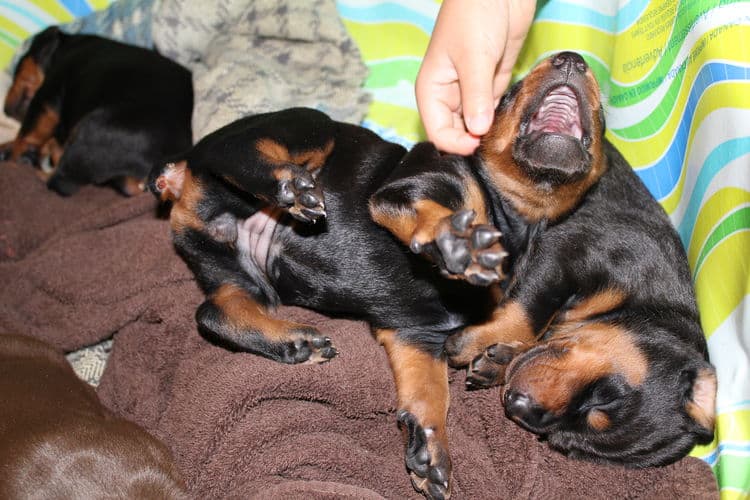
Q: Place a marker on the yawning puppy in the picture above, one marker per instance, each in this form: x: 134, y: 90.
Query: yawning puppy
x: 599, y: 304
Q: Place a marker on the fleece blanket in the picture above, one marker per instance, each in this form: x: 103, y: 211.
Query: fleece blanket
x: 79, y: 270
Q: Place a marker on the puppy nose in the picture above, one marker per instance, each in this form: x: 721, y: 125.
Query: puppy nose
x: 569, y: 61
x: 523, y: 409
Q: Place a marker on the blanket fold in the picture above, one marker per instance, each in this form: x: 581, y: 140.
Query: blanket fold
x: 82, y: 269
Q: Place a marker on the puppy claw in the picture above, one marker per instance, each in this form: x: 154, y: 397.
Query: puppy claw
x: 488, y: 369
x: 484, y: 236
x: 303, y: 182
x: 490, y: 259
x: 462, y: 219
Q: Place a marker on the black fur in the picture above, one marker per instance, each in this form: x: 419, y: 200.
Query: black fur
x: 121, y: 108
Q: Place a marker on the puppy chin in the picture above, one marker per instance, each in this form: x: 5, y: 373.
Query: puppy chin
x: 553, y: 159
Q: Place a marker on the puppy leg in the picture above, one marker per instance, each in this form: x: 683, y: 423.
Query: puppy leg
x: 276, y: 158
x: 422, y: 389
x: 437, y: 208
x: 233, y: 316
x: 489, y: 347
x: 37, y: 129
x: 540, y: 305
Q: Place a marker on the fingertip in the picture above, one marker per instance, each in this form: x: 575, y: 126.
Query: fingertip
x: 455, y: 141
x: 479, y: 123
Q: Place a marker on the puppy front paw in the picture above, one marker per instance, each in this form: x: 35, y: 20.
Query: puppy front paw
x: 464, y: 250
x: 488, y: 369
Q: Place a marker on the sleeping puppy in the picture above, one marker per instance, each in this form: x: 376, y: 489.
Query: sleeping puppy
x: 103, y: 112
x: 294, y: 208
x: 58, y: 441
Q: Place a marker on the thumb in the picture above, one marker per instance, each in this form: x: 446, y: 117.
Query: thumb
x: 476, y: 76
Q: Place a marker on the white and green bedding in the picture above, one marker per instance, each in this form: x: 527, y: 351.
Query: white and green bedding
x: 676, y: 79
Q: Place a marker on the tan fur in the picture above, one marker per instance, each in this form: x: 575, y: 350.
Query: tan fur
x: 27, y: 81
x: 576, y: 358
x: 702, y: 406
x: 184, y: 211
x: 508, y: 324
x: 421, y: 382
x: 243, y: 313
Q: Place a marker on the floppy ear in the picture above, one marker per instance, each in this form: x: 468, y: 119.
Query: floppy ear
x: 45, y: 44
x: 701, y: 399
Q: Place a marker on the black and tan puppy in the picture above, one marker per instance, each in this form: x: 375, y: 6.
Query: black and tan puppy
x: 294, y: 208
x: 58, y: 441
x: 102, y: 111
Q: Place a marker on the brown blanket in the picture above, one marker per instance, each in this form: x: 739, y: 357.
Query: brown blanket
x: 75, y: 271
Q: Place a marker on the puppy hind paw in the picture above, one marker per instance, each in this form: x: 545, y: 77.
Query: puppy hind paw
x: 301, y: 195
x: 427, y: 460
x: 310, y: 347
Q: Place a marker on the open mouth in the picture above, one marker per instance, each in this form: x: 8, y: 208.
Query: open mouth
x: 559, y: 113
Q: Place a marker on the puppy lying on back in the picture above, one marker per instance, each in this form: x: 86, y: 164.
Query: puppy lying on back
x: 102, y: 111
x: 597, y: 315
x: 58, y: 441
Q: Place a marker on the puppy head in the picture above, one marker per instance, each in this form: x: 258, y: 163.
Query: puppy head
x: 544, y: 150
x: 600, y: 394
x: 30, y: 71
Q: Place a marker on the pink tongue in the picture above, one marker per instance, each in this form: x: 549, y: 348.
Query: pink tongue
x: 558, y: 114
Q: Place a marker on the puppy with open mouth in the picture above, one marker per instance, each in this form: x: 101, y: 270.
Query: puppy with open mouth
x: 598, y: 327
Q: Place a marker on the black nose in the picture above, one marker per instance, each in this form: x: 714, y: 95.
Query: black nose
x: 517, y: 404
x: 569, y: 61
x: 523, y: 409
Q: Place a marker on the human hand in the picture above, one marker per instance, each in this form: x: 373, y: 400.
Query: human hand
x: 467, y: 67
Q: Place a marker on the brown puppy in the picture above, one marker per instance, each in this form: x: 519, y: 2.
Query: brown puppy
x: 58, y: 441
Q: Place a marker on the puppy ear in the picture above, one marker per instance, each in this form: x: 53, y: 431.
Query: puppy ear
x: 700, y: 403
x: 166, y: 182
x: 44, y: 46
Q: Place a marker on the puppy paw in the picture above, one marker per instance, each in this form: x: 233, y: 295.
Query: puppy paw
x: 20, y: 153
x: 427, y: 460
x: 465, y: 250
x: 299, y: 193
x: 6, y: 151
x: 309, y: 347
x: 488, y: 369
